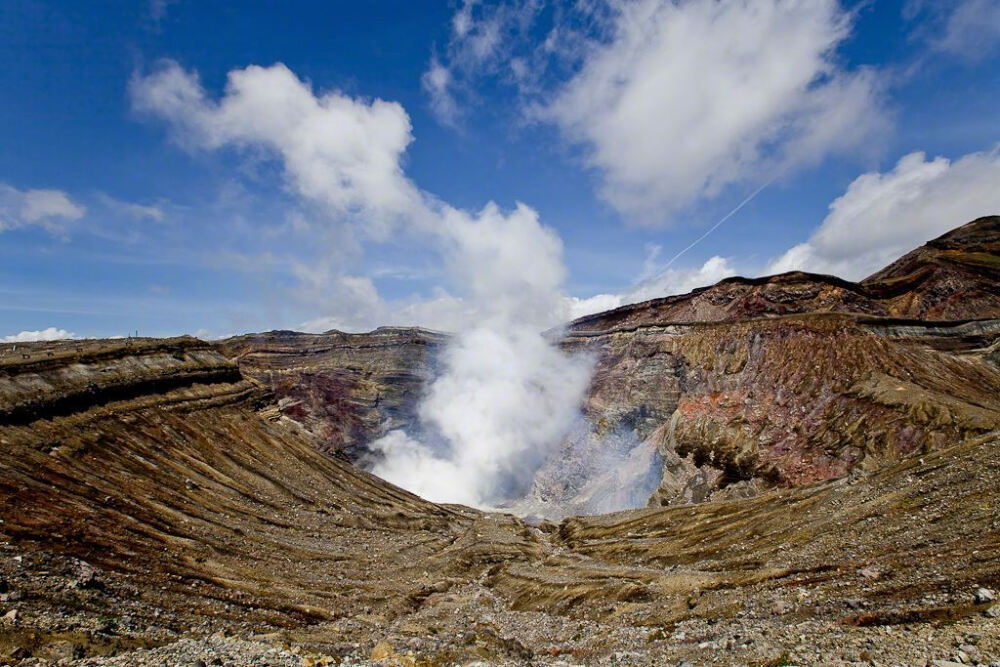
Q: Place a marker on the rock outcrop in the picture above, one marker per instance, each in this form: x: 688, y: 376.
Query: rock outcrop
x: 953, y: 277
x: 347, y: 389
x: 791, y: 400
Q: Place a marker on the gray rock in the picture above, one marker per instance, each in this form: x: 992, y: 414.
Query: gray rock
x: 984, y: 595
x: 65, y: 650
x: 781, y: 607
x: 86, y: 577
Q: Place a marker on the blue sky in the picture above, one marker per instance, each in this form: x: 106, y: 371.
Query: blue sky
x: 137, y: 191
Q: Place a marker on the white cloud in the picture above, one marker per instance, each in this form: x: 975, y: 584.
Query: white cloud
x: 131, y: 209
x: 509, y: 265
x: 51, y: 333
x: 688, y: 98
x: 681, y: 281
x: 969, y: 29
x: 483, y: 39
x: 973, y: 29
x: 884, y: 215
x: 504, y: 267
x: 437, y: 82
x: 341, y: 152
x: 346, y: 155
x: 578, y: 307
x: 50, y: 209
x: 42, y: 204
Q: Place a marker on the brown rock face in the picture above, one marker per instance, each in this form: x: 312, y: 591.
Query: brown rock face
x: 953, y: 277
x: 795, y: 378
x: 791, y: 400
x: 347, y: 389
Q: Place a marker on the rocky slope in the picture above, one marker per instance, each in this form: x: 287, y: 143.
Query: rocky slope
x: 953, y: 277
x: 181, y: 517
x: 347, y: 389
x: 790, y: 400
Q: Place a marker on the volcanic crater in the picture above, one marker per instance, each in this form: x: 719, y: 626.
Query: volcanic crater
x: 826, y: 459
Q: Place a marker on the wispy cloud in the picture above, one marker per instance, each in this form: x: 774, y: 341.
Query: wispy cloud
x: 131, y: 209
x: 158, y: 9
x: 49, y: 209
x: 968, y: 29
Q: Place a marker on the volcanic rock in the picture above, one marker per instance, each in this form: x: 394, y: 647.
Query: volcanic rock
x: 346, y: 389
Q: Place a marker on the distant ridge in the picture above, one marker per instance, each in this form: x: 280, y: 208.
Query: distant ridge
x: 952, y: 278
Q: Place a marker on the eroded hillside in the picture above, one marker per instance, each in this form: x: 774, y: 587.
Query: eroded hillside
x: 826, y: 491
x: 173, y: 509
x: 791, y: 400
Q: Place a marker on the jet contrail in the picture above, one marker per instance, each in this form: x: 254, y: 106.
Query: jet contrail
x: 716, y: 225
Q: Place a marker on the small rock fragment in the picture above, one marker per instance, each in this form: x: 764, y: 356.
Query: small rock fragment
x: 984, y: 595
x: 781, y: 607
x: 86, y: 577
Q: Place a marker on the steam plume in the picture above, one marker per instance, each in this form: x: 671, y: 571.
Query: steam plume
x: 507, y: 397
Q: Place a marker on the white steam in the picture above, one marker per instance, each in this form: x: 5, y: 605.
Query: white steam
x: 506, y: 397
x: 501, y: 408
x: 593, y: 473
